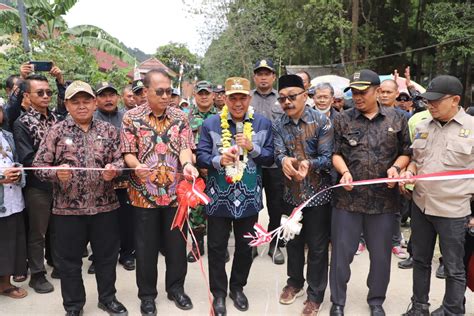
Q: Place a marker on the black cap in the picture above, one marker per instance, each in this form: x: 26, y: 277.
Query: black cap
x: 219, y: 88
x: 264, y: 63
x: 363, y: 79
x: 287, y: 81
x: 403, y: 96
x: 441, y: 86
x: 203, y: 85
x: 137, y: 85
x: 102, y: 86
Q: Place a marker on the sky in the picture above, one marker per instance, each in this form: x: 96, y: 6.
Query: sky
x: 143, y: 24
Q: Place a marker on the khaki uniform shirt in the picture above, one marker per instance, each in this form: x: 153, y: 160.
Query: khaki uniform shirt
x: 438, y: 148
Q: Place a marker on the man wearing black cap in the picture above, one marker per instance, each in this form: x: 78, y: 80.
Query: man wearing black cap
x: 204, y: 97
x: 264, y: 101
x: 138, y: 93
x: 303, y: 147
x: 219, y: 96
x: 405, y: 102
x: 107, y: 98
x: 444, y: 142
x: 370, y: 141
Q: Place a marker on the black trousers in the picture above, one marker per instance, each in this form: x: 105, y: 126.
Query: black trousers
x: 125, y: 215
x: 72, y: 235
x: 451, y: 233
x: 218, y: 232
x: 273, y: 185
x: 315, y: 233
x: 152, y: 224
x: 346, y: 228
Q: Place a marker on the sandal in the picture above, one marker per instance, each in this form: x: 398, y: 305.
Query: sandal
x: 14, y: 292
x: 20, y: 278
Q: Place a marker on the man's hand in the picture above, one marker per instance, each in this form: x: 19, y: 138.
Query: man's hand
x: 12, y: 175
x: 302, y: 172
x: 392, y: 173
x: 347, y: 180
x: 395, y: 75
x: 57, y: 73
x: 25, y: 70
x: 229, y: 157
x: 408, y: 78
x: 289, y: 170
x: 142, y: 171
x: 110, y: 173
x: 242, y: 141
x: 407, y: 175
x: 64, y: 175
x: 190, y: 171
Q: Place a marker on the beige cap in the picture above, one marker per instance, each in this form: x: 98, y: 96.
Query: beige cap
x: 76, y: 87
x: 237, y: 85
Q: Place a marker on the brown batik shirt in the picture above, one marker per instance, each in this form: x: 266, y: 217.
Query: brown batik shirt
x: 86, y: 193
x: 369, y: 148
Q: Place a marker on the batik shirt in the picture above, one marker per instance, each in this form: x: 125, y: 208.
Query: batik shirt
x: 86, y: 193
x: 156, y: 142
x: 196, y: 118
x: 369, y: 148
x: 29, y: 130
x: 243, y: 198
x: 310, y: 138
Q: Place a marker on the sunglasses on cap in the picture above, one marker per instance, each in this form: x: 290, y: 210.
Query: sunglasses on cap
x: 291, y: 97
x: 160, y: 91
x: 41, y: 93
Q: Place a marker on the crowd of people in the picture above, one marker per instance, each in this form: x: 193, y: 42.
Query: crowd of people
x: 85, y: 170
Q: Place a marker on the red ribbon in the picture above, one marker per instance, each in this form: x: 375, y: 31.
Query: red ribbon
x: 188, y: 196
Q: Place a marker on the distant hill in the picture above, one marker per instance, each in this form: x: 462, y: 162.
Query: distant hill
x: 137, y: 53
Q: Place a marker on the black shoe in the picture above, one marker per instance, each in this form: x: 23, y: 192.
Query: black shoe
x: 148, y: 308
x: 336, y: 310
x: 219, y: 306
x: 278, y: 257
x: 91, y: 269
x: 406, y: 264
x: 128, y: 264
x: 191, y: 255
x: 55, y: 274
x: 181, y: 300
x: 418, y: 309
x: 114, y: 308
x: 438, y: 312
x: 227, y: 255
x: 39, y: 283
x: 376, y: 310
x: 74, y: 313
x: 240, y: 300
x: 440, y: 273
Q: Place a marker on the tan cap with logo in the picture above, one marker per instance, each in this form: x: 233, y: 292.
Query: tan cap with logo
x: 237, y: 85
x: 78, y: 86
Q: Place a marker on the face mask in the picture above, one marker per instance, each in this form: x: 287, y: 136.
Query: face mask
x: 323, y: 111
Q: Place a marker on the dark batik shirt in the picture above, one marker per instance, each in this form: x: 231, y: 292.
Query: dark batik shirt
x: 310, y: 138
x: 196, y: 118
x: 369, y: 148
x: 157, y: 142
x: 29, y: 130
x: 86, y: 193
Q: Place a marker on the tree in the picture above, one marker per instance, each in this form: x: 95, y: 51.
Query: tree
x: 174, y: 55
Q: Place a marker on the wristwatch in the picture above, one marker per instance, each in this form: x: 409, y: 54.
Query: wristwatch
x: 397, y: 168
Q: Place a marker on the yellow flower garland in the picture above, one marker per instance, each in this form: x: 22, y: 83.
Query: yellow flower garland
x: 235, y: 173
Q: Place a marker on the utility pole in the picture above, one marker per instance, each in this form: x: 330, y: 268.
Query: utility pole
x: 24, y: 30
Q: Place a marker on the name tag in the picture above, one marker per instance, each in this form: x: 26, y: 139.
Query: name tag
x: 421, y: 136
x: 464, y: 133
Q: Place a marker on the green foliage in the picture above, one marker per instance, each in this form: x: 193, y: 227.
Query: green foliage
x: 175, y: 54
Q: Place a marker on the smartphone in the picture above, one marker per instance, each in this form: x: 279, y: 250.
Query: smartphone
x: 42, y: 65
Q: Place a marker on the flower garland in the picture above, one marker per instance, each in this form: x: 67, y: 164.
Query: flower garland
x: 234, y: 173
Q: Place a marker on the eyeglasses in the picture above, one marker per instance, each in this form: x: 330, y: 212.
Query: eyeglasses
x: 337, y: 100
x: 322, y: 98
x: 41, y: 93
x: 160, y: 91
x: 291, y: 97
x: 436, y: 102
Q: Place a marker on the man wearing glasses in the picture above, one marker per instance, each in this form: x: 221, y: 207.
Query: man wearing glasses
x: 370, y: 141
x: 158, y: 142
x: 219, y: 96
x: 303, y: 148
x: 323, y: 98
x: 444, y: 142
x: 29, y: 130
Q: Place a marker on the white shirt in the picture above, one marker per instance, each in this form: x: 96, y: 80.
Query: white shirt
x: 12, y: 195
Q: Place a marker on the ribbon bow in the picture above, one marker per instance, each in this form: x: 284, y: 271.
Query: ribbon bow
x: 190, y: 195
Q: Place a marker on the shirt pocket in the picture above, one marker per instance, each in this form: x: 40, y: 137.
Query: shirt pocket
x: 459, y: 153
x: 419, y: 146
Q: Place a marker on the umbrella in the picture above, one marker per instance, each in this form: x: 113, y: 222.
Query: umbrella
x: 337, y: 82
